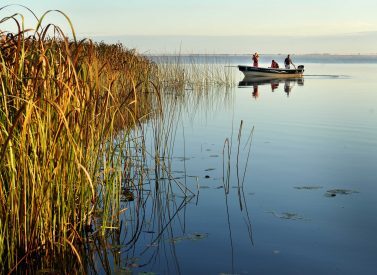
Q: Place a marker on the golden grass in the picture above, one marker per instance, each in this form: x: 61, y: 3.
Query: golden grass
x: 180, y: 73
x: 63, y: 104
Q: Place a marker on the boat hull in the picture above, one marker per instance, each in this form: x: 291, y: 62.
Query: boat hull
x: 250, y: 71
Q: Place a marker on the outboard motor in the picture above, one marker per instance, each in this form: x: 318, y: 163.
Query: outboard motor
x: 301, y: 68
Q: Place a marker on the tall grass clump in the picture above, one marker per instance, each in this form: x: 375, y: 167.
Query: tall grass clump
x: 64, y: 105
x: 193, y: 72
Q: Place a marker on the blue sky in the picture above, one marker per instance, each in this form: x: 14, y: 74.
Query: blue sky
x: 220, y: 26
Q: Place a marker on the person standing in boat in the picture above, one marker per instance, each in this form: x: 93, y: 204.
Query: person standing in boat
x: 288, y: 62
x: 255, y: 59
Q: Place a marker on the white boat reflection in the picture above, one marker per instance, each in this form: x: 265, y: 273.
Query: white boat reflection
x: 255, y: 82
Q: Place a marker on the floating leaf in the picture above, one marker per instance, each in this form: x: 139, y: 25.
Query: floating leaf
x: 334, y: 192
x: 192, y: 237
x: 307, y: 187
x: 204, y: 187
x: 177, y: 239
x: 197, y: 236
x: 286, y: 215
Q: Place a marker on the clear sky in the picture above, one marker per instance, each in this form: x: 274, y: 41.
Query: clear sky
x: 220, y: 26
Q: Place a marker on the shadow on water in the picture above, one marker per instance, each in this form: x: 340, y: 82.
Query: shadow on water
x: 275, y: 83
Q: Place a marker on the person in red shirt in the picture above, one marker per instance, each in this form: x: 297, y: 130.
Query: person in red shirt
x: 274, y: 64
x: 255, y: 59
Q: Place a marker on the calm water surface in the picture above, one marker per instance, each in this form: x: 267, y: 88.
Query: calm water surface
x: 305, y: 198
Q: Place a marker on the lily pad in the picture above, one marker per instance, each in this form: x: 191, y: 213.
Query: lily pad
x: 177, y: 239
x: 197, y: 236
x: 191, y: 237
x: 286, y: 215
x: 334, y: 192
x: 204, y: 187
x: 308, y: 187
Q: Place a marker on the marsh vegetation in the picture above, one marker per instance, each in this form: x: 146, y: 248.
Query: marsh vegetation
x: 73, y: 152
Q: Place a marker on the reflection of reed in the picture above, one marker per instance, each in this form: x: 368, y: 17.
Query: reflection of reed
x: 154, y: 197
x: 227, y: 151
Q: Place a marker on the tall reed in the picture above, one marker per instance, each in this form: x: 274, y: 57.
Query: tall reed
x: 180, y: 73
x: 63, y: 105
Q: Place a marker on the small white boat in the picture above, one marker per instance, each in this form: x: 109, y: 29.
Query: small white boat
x: 250, y: 71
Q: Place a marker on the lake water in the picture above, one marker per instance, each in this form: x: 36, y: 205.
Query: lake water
x: 300, y: 194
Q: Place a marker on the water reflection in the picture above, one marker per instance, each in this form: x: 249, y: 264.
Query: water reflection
x: 287, y: 83
x: 156, y: 229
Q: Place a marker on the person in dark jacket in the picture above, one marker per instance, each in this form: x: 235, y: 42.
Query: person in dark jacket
x: 288, y: 62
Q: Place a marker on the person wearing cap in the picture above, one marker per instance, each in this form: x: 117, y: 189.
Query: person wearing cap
x: 255, y: 59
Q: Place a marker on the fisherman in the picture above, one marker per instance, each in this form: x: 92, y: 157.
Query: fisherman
x: 255, y: 59
x: 288, y: 62
x: 274, y: 64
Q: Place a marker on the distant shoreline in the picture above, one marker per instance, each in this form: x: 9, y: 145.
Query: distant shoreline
x: 265, y: 54
x: 346, y: 44
x: 266, y: 58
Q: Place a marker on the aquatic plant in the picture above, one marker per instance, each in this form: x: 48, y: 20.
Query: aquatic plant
x: 180, y: 73
x: 67, y: 108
